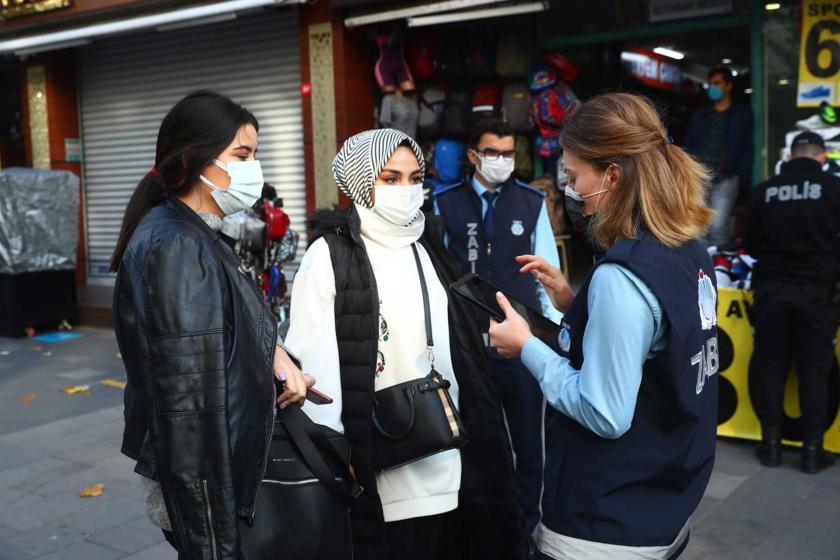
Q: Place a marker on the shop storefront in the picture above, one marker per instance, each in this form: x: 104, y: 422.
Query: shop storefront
x: 785, y: 58
x: 97, y: 78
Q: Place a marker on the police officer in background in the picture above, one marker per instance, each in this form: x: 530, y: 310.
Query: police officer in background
x: 490, y: 220
x: 792, y: 230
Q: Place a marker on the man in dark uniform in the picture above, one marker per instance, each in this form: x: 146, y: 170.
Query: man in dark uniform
x: 490, y: 220
x: 792, y: 230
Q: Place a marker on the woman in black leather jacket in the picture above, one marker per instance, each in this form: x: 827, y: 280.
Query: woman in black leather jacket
x: 198, y: 342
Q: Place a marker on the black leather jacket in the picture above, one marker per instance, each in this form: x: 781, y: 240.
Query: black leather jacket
x: 198, y: 345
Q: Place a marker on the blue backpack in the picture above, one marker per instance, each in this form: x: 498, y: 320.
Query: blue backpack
x: 449, y: 160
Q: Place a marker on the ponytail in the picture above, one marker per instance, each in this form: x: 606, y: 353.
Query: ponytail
x: 149, y: 192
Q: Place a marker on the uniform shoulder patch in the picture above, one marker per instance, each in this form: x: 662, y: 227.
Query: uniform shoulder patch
x: 528, y: 187
x: 441, y: 188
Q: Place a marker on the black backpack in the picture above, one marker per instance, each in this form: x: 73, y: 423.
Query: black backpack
x: 457, y: 110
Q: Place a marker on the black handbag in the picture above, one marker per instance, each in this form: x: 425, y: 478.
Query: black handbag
x: 415, y: 419
x: 303, y: 504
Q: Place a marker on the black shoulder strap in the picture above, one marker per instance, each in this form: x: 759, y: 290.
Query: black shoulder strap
x: 430, y: 343
x: 302, y: 432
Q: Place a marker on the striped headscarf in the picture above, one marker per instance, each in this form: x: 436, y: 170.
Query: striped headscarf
x: 362, y: 157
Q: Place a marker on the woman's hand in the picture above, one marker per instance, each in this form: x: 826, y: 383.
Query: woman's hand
x: 510, y: 336
x: 295, y: 381
x: 555, y: 283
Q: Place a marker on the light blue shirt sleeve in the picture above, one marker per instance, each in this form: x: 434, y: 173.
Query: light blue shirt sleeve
x: 543, y: 245
x: 625, y: 327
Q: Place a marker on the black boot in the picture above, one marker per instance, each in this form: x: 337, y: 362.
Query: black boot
x: 769, y: 451
x: 814, y: 457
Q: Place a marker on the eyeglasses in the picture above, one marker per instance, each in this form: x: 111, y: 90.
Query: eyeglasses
x: 491, y: 154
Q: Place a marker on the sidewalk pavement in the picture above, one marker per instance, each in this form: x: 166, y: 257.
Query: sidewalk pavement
x: 53, y: 447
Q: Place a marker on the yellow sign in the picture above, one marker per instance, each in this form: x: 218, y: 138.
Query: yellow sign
x: 17, y: 8
x: 736, y: 417
x: 819, y: 54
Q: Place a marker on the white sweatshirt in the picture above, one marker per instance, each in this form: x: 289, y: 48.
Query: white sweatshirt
x: 426, y: 487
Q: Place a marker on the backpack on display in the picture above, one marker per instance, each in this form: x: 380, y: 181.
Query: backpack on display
x: 451, y: 59
x: 516, y: 107
x: 420, y: 55
x: 514, y: 52
x: 523, y: 162
x: 456, y: 114
x: 566, y: 70
x: 481, y: 57
x: 486, y: 101
x: 430, y: 121
x: 449, y: 160
x: 548, y: 146
x: 551, y: 106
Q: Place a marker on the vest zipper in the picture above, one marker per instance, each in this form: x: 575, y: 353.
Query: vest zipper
x: 214, y: 551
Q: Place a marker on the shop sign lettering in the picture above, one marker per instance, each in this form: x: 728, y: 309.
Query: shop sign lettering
x: 17, y: 8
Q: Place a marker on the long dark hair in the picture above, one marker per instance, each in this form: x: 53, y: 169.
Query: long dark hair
x: 195, y: 131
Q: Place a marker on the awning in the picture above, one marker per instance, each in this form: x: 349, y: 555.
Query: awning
x: 167, y: 20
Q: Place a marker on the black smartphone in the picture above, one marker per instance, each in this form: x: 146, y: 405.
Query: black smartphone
x: 481, y: 294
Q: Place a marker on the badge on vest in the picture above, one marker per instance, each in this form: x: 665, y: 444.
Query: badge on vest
x: 564, y: 339
x: 707, y: 301
x: 517, y: 228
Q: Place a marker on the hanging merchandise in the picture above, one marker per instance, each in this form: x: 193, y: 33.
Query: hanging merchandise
x: 552, y: 102
x: 481, y: 56
x: 514, y: 52
x: 420, y: 53
x: 451, y: 59
x: 400, y: 112
x: 541, y: 77
x: 566, y: 70
x: 523, y: 162
x: 449, y: 160
x: 486, y: 101
x: 430, y: 120
x: 516, y: 107
x: 276, y: 221
x: 456, y: 114
x: 391, y: 70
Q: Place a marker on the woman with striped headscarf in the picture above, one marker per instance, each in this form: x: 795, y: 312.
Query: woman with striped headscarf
x: 358, y: 325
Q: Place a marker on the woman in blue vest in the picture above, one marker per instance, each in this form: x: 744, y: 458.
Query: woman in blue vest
x: 630, y: 436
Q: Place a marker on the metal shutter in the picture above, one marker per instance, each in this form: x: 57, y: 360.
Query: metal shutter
x: 127, y: 84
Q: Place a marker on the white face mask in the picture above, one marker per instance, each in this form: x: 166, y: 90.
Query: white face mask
x: 398, y: 204
x: 245, y: 188
x: 495, y: 171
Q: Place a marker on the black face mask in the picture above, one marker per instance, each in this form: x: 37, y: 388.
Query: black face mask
x: 574, y: 208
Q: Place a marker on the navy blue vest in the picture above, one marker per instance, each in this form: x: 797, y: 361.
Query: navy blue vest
x: 516, y: 213
x: 640, y: 489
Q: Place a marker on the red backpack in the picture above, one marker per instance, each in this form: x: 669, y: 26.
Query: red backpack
x: 276, y: 221
x: 551, y: 106
x: 420, y: 55
x: 486, y: 102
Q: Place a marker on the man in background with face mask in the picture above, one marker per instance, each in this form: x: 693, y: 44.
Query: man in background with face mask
x: 721, y: 136
x: 490, y: 220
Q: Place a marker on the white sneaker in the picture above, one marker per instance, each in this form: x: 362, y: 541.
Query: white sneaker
x: 812, y: 123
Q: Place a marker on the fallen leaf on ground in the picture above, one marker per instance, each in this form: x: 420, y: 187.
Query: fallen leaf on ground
x: 37, y: 348
x: 47, y: 354
x: 113, y: 383
x: 92, y: 491
x: 73, y: 389
x: 28, y: 399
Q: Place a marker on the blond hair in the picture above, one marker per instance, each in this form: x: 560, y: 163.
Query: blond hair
x: 660, y: 188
